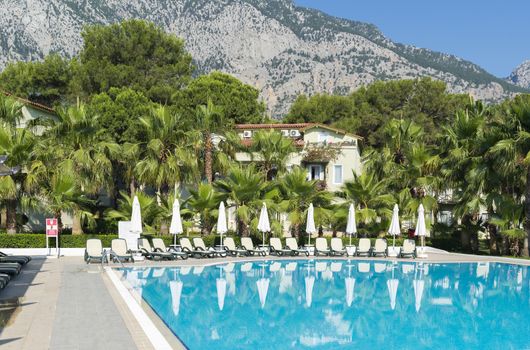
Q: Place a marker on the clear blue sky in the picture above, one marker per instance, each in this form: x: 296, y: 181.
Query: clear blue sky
x: 494, y: 34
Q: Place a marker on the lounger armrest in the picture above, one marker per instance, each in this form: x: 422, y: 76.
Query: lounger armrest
x: 145, y: 251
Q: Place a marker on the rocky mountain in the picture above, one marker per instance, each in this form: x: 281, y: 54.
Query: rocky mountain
x: 521, y: 75
x: 282, y: 49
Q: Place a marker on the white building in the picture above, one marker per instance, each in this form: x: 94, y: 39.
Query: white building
x: 310, y: 139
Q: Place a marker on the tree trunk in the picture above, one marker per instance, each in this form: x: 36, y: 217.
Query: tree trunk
x: 465, y: 240
x: 11, y: 216
x: 494, y: 246
x: 132, y: 187
x: 243, y: 229
x: 3, y: 218
x: 296, y: 230
x: 208, y: 163
x: 525, y: 251
x: 205, y: 225
x: 58, y: 215
x: 77, y: 229
x: 505, y: 249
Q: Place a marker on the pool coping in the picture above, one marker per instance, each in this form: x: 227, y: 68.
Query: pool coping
x: 157, y: 332
x: 148, y: 323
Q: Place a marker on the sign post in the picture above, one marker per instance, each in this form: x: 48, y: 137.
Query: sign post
x: 52, y: 231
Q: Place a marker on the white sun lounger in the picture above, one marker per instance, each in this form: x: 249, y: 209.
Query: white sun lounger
x: 380, y: 248
x: 408, y: 249
x: 150, y: 253
x: 120, y: 250
x: 337, y: 247
x: 94, y: 251
x: 247, y: 244
x: 365, y: 247
x: 160, y: 246
x: 198, y: 242
x: 292, y: 244
x: 276, y: 248
x: 197, y: 253
x: 230, y: 247
x: 321, y: 247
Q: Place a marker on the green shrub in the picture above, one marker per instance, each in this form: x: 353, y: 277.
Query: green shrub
x: 37, y: 240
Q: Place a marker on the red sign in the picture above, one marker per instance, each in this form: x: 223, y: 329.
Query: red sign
x: 52, y: 228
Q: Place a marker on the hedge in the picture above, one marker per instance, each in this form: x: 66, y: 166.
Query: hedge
x: 37, y: 240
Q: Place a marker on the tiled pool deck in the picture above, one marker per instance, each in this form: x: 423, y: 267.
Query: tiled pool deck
x: 65, y: 304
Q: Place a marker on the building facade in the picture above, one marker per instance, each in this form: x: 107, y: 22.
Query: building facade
x: 329, y: 155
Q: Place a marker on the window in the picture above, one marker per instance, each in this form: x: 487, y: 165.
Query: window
x: 315, y: 172
x: 337, y: 174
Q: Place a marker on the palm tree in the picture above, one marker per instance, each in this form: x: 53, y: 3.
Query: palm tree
x: 512, y: 152
x: 401, y: 135
x: 297, y: 193
x: 463, y: 156
x: 243, y: 188
x: 151, y: 211
x: 10, y: 110
x: 63, y: 195
x: 271, y: 150
x: 71, y: 143
x: 370, y: 195
x: 18, y: 145
x: 130, y: 154
x: 209, y: 121
x: 205, y: 201
x: 166, y: 160
x: 509, y: 218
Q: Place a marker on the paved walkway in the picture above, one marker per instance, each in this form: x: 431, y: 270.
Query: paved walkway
x: 28, y: 304
x: 65, y: 304
x: 87, y: 311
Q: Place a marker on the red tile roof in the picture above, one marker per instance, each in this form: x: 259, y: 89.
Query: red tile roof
x: 248, y: 143
x: 31, y: 103
x: 299, y: 126
x: 273, y: 126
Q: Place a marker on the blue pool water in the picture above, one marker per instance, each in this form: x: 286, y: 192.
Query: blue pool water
x: 335, y: 304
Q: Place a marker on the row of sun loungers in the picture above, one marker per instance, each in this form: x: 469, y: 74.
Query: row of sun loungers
x: 365, y: 248
x: 158, y: 250
x: 10, y: 266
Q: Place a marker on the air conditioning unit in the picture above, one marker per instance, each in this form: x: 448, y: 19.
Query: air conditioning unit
x: 247, y: 134
x: 294, y: 133
x: 285, y: 133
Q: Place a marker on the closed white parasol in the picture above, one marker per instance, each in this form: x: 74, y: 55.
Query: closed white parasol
x: 310, y: 227
x: 351, y: 226
x: 264, y: 225
x: 176, y: 221
x: 222, y: 226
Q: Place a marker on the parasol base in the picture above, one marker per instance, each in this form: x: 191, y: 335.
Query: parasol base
x: 350, y: 250
x: 420, y: 253
x: 393, y: 251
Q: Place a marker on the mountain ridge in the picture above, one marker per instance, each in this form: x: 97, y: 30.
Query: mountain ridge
x: 521, y: 75
x: 280, y: 48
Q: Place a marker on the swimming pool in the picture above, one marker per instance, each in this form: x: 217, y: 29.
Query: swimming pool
x: 338, y: 304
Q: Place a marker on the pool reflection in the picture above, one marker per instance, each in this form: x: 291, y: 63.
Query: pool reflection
x: 340, y: 304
